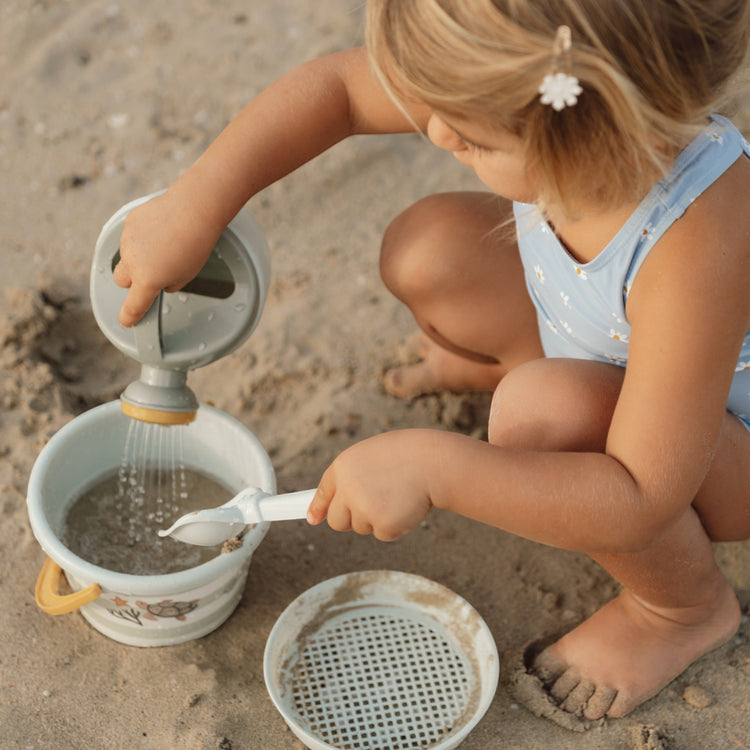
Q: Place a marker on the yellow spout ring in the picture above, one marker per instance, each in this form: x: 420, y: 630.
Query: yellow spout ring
x: 155, y: 416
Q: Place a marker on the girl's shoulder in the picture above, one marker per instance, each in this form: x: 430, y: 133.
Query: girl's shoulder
x: 709, y: 187
x: 703, y: 160
x: 705, y: 247
x: 700, y: 202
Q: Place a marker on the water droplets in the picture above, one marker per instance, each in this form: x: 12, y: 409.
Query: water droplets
x: 147, y: 479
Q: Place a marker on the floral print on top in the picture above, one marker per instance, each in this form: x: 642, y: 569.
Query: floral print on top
x: 581, y: 306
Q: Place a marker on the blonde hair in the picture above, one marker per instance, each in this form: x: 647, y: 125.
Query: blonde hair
x: 651, y: 73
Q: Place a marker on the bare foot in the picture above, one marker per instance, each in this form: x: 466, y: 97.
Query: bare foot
x: 429, y: 368
x: 627, y: 652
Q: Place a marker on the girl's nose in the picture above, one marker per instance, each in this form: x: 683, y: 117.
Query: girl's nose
x: 443, y: 136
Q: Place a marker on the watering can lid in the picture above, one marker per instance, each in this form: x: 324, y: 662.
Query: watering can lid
x: 208, y: 318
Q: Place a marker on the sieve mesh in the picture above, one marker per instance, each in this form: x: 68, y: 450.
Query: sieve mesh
x: 380, y: 678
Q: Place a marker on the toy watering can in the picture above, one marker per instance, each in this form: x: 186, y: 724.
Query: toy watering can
x: 208, y: 318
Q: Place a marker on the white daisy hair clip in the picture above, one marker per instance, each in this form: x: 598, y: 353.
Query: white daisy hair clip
x: 559, y: 88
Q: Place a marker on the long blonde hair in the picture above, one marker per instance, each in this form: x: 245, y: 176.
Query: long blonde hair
x: 651, y: 72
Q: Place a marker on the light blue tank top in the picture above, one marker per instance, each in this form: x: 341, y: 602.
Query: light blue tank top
x: 581, y: 306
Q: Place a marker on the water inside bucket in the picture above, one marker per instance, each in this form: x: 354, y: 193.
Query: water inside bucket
x: 114, y: 523
x: 118, y: 531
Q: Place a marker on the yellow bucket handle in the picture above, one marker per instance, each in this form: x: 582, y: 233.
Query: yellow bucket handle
x: 50, y: 601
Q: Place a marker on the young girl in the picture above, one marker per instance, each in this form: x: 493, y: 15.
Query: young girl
x: 614, y: 331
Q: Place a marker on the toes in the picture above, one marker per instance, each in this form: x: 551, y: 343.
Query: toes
x: 599, y: 703
x: 393, y: 382
x: 548, y: 667
x: 622, y: 704
x: 573, y: 693
x: 414, y: 347
x: 575, y: 702
x: 409, y: 381
x: 565, y: 684
x: 533, y: 673
x: 581, y: 697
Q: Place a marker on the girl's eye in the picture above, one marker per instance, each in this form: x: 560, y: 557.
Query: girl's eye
x: 476, y: 148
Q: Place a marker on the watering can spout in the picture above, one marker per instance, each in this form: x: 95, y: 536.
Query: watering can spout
x: 160, y: 396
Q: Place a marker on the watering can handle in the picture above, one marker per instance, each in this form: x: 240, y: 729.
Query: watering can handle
x: 50, y: 601
x: 147, y: 332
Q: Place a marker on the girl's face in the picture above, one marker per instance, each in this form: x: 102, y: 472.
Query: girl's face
x: 496, y: 157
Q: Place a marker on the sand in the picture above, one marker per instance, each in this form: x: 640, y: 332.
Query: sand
x: 102, y: 102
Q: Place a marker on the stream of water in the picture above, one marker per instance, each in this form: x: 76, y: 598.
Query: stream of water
x: 114, y: 523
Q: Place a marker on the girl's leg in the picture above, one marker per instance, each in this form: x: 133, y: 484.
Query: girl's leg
x: 453, y: 260
x: 675, y: 606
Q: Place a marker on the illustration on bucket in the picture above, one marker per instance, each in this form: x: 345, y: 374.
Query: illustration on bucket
x: 145, y: 611
x: 136, y: 460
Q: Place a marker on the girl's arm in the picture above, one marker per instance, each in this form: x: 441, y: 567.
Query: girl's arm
x: 689, y: 309
x: 166, y: 241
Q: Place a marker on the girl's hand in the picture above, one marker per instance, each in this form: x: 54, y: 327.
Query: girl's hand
x: 379, y: 486
x: 164, y: 245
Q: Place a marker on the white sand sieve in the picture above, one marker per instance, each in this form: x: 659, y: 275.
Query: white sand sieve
x: 381, y: 659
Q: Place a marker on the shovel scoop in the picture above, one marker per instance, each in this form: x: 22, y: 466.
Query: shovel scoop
x: 211, y: 526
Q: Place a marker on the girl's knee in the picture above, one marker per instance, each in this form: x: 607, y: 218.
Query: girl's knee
x: 409, y: 243
x: 555, y: 405
x: 432, y: 243
x: 515, y: 420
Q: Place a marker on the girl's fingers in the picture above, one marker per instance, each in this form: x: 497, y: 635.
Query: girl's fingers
x: 361, y: 526
x: 121, y: 276
x: 339, y: 518
x: 136, y: 304
x: 318, y: 509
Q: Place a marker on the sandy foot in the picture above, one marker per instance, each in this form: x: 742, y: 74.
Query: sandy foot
x: 626, y: 653
x: 428, y: 368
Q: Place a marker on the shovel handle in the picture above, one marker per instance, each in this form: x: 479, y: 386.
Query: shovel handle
x: 53, y: 603
x: 286, y: 507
